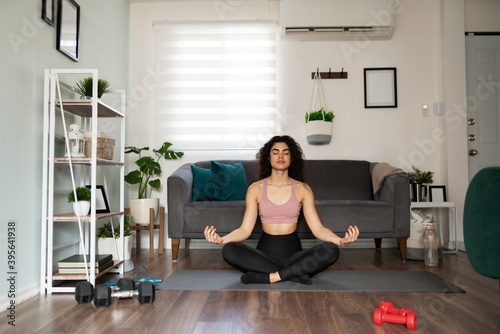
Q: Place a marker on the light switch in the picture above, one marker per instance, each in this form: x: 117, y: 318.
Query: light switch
x: 438, y: 108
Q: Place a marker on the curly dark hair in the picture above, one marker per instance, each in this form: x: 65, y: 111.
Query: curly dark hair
x: 297, y: 162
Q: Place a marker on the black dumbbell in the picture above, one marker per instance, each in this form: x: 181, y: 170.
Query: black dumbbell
x: 103, y: 294
x: 84, y: 291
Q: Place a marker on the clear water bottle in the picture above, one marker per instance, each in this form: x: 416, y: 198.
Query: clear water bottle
x: 431, y: 243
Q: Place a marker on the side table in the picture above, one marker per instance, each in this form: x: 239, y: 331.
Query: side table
x: 151, y: 227
x: 440, y: 206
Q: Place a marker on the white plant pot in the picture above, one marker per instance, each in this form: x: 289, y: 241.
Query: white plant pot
x: 319, y: 132
x: 107, y: 246
x: 82, y: 207
x: 139, y: 209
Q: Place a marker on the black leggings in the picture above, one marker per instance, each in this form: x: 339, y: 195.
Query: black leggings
x: 282, y: 253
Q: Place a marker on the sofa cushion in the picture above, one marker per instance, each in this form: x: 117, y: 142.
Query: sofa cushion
x: 230, y: 181
x: 339, y: 179
x: 203, y: 184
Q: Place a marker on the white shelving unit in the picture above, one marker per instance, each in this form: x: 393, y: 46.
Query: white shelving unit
x: 87, y: 113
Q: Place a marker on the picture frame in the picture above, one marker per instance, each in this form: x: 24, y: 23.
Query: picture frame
x: 68, y: 28
x: 102, y: 205
x: 437, y: 193
x: 48, y: 11
x: 381, y: 87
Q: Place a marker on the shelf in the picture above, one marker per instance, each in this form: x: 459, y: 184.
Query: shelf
x: 88, y: 161
x: 59, y: 277
x: 72, y: 217
x: 83, y: 108
x: 423, y: 205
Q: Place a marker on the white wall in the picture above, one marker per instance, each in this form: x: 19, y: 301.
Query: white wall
x: 27, y: 47
x: 399, y: 136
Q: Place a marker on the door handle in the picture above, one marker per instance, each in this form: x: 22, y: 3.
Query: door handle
x: 472, y: 152
x: 471, y: 137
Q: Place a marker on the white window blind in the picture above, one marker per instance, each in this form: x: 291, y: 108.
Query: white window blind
x: 218, y: 84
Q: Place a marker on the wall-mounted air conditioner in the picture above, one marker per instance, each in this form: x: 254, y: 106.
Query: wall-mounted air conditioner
x: 337, y: 19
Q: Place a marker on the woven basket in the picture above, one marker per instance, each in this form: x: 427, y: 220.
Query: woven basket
x: 105, y: 145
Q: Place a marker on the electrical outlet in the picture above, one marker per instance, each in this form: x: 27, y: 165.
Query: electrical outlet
x: 424, y: 110
x: 438, y: 108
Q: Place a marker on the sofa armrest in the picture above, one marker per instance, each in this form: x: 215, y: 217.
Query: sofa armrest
x: 179, y: 193
x: 396, y: 192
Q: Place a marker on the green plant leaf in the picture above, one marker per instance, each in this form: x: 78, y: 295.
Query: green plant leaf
x: 133, y: 177
x: 155, y: 183
x: 133, y: 149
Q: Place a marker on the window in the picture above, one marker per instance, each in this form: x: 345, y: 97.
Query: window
x: 218, y: 84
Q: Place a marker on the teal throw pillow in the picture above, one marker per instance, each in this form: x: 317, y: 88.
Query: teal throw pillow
x: 203, y: 184
x: 230, y: 181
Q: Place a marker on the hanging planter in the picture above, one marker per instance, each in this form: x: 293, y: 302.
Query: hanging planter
x: 319, y: 122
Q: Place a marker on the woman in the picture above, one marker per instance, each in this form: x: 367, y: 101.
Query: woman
x: 278, y: 198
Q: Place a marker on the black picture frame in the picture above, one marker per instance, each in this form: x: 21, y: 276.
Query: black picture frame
x: 102, y: 205
x: 381, y: 87
x: 437, y: 193
x: 48, y: 11
x: 68, y: 28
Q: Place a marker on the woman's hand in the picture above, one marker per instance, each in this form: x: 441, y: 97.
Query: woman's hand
x: 350, y: 236
x: 213, y: 237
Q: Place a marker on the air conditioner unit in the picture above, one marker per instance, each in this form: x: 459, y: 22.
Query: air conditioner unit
x: 337, y: 19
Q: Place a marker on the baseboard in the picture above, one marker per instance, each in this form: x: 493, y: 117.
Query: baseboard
x: 20, y: 296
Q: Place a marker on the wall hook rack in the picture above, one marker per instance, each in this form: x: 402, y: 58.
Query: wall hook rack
x: 330, y: 74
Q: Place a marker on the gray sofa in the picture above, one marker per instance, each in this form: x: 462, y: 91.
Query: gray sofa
x: 343, y: 192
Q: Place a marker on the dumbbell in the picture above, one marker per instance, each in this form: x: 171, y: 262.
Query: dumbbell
x: 410, y: 319
x: 388, y: 307
x: 124, y: 283
x: 84, y: 291
x: 103, y: 294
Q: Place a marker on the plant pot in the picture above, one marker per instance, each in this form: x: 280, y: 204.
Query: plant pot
x: 319, y: 132
x: 82, y: 207
x: 107, y: 246
x: 139, y: 209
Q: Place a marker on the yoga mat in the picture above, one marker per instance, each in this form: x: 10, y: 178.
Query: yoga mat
x: 398, y: 281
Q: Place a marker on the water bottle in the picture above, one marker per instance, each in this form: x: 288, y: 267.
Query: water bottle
x: 431, y: 243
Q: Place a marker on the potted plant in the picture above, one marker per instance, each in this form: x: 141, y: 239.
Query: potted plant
x: 107, y: 239
x: 418, y: 183
x: 146, y: 178
x: 81, y: 205
x: 84, y: 87
x: 319, y: 126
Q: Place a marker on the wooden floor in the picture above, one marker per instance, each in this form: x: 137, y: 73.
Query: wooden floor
x: 477, y: 311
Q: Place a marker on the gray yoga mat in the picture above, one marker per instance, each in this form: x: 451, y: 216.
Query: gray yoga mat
x: 398, y: 281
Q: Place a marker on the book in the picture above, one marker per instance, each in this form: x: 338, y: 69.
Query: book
x: 71, y: 271
x: 76, y: 261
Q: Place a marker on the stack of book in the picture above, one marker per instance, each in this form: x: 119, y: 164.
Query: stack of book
x: 75, y: 264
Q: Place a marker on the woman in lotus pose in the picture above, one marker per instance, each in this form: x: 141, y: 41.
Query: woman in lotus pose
x: 277, y: 198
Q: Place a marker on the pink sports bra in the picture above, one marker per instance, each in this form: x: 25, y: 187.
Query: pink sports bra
x: 287, y: 213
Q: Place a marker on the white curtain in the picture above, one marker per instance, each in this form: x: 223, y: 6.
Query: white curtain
x: 218, y: 84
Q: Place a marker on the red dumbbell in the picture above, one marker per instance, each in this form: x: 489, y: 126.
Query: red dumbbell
x: 388, y: 307
x: 410, y: 319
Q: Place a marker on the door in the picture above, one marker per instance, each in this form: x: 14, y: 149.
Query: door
x: 483, y: 101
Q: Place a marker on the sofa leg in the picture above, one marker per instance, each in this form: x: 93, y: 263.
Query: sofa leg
x: 378, y: 243
x: 402, y: 248
x: 186, y: 243
x: 175, y: 249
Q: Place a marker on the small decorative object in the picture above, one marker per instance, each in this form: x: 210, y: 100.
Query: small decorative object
x: 81, y: 205
x: 431, y: 244
x: 319, y: 122
x: 101, y: 201
x: 418, y: 181
x: 148, y: 167
x: 437, y: 193
x: 84, y: 87
x: 76, y: 142
x: 107, y: 238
